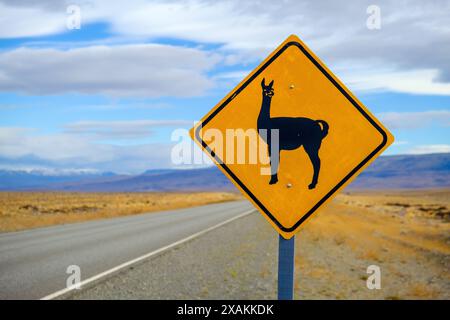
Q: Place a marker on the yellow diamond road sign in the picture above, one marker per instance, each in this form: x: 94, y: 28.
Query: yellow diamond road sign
x: 305, y: 136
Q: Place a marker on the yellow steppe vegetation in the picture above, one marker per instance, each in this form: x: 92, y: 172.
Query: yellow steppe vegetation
x: 24, y: 210
x: 405, y: 233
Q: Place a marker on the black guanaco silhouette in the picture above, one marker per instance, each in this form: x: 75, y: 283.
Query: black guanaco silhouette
x: 292, y: 134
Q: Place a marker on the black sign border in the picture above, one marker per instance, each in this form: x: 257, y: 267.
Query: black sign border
x: 338, y: 86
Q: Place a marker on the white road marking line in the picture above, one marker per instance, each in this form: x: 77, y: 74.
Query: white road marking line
x: 143, y: 257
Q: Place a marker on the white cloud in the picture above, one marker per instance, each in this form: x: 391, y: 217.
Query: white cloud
x: 414, y: 120
x: 432, y: 148
x: 400, y: 143
x: 46, y: 171
x: 133, y: 129
x: 28, y: 21
x: 127, y: 70
x: 19, y: 142
x: 413, y: 81
x: 234, y: 75
x: 408, y: 54
x: 29, y: 148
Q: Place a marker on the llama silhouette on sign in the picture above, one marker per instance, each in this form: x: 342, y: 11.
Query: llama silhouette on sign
x: 292, y: 133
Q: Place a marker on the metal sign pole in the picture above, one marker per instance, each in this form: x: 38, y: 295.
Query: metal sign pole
x: 286, y: 268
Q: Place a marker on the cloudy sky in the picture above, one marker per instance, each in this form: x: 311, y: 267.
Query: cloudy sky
x: 107, y: 96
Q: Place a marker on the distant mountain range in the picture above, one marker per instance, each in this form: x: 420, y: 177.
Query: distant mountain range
x: 387, y: 172
x: 39, y: 179
x: 406, y: 172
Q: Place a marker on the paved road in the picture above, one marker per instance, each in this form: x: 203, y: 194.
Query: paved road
x: 33, y: 263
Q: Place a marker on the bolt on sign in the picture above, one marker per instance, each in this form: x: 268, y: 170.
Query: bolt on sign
x: 290, y: 136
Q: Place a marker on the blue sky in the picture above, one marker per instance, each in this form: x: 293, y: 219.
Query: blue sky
x: 107, y: 96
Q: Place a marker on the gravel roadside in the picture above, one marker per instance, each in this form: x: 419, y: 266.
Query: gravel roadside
x: 333, y: 252
x: 236, y: 261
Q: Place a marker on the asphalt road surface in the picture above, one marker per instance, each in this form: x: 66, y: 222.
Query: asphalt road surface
x: 33, y: 263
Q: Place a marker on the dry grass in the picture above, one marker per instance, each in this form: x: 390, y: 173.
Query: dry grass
x: 423, y: 291
x: 374, y: 223
x: 24, y: 210
x: 406, y: 233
